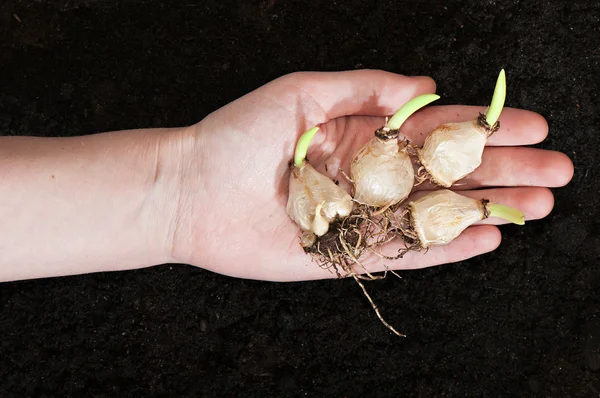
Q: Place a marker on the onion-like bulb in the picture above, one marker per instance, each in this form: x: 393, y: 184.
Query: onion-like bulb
x: 381, y: 170
x: 439, y: 217
x: 454, y: 150
x: 314, y: 200
x: 382, y: 173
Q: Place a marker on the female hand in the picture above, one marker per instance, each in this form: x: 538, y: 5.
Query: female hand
x: 232, y: 219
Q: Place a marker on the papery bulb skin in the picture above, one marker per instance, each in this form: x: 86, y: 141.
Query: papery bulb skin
x: 320, y: 224
x: 382, y: 173
x: 310, y: 191
x: 441, y: 216
x: 452, y: 151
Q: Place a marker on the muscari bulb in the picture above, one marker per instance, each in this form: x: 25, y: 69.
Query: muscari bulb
x: 439, y: 217
x: 454, y: 150
x: 314, y: 200
x: 381, y: 170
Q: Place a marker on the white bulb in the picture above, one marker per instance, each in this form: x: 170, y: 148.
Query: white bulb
x: 383, y: 175
x: 441, y: 216
x: 310, y: 190
x: 453, y: 151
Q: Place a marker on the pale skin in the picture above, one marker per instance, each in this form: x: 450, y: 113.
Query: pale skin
x: 213, y: 194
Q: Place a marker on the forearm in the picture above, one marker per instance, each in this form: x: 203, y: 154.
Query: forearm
x: 85, y: 204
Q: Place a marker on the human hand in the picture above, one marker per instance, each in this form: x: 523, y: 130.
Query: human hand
x: 232, y: 216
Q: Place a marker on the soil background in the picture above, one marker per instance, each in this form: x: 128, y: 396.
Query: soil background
x: 523, y: 320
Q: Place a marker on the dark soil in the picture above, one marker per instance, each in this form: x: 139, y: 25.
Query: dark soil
x: 521, y: 321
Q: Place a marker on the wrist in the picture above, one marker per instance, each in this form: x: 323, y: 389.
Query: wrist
x: 169, y: 203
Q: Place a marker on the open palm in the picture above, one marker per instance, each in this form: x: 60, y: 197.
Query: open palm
x: 233, y: 219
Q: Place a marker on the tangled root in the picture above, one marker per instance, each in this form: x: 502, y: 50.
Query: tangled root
x: 365, y: 231
x: 403, y: 227
x: 347, y: 240
x: 422, y: 174
x: 340, y: 250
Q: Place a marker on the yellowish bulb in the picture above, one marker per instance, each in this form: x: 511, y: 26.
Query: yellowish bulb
x: 382, y: 173
x: 453, y: 151
x: 441, y: 216
x: 314, y: 200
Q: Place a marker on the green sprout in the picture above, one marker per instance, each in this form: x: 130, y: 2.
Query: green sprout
x: 498, y: 98
x: 408, y: 109
x: 302, y: 146
x: 507, y: 213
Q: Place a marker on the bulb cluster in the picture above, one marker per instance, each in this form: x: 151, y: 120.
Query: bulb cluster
x: 383, y: 176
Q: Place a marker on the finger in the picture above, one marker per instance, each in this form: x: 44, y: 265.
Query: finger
x: 535, y: 202
x: 517, y: 126
x: 474, y: 241
x: 506, y: 166
x: 329, y: 95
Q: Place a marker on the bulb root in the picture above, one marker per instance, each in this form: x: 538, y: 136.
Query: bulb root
x: 375, y: 307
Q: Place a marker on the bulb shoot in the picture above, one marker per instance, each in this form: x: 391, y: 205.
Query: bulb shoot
x: 495, y: 109
x: 302, y: 146
x: 400, y: 116
x: 507, y: 213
